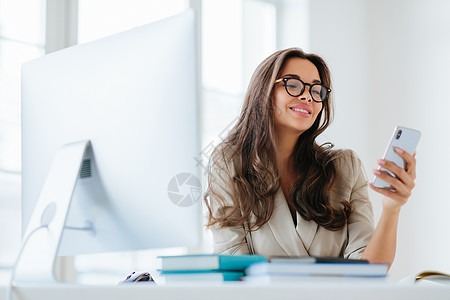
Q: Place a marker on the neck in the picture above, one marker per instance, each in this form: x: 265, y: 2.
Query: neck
x: 285, y: 143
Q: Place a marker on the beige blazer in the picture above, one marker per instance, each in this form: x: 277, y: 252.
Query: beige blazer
x: 279, y: 236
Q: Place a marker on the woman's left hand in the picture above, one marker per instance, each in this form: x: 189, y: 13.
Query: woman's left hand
x: 403, y: 183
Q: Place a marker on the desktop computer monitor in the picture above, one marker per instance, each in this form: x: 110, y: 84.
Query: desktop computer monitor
x: 131, y: 98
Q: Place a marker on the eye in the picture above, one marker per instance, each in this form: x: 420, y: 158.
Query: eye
x: 293, y: 83
x: 292, y: 86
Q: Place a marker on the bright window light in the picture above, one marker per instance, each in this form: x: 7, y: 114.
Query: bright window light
x: 222, y: 45
x: 101, y: 18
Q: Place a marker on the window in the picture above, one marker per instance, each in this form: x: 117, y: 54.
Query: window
x: 22, y: 37
x: 100, y: 18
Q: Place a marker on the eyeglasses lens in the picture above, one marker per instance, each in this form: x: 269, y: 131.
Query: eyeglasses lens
x: 318, y: 92
x: 295, y: 88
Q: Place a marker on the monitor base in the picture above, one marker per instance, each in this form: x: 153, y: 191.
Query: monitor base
x: 35, y: 263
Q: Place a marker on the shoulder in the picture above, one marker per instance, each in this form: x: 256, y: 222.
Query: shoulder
x: 347, y: 161
x: 349, y: 169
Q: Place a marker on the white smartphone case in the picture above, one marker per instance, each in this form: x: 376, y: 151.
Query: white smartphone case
x: 404, y: 138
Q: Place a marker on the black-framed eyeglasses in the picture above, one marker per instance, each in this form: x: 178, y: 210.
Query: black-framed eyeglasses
x: 295, y: 87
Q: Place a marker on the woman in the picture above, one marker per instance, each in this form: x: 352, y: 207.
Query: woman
x: 274, y: 191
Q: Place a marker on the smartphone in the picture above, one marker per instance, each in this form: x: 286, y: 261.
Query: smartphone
x: 404, y: 138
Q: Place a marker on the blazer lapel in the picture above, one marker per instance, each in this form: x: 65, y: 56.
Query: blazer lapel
x: 282, y: 227
x: 307, y: 231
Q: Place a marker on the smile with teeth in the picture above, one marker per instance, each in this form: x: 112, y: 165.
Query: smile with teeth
x: 300, y: 110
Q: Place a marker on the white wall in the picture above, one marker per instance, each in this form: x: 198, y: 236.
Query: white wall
x: 390, y: 64
x: 293, y: 24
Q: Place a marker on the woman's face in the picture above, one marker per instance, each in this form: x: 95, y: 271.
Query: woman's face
x: 296, y: 114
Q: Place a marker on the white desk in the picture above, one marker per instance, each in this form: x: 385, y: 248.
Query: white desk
x: 235, y: 291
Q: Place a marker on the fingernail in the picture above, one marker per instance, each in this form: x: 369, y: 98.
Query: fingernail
x: 376, y: 172
x: 398, y: 150
x: 381, y: 162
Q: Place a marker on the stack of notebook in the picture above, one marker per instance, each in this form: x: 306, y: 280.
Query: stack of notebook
x: 300, y: 269
x: 205, y: 268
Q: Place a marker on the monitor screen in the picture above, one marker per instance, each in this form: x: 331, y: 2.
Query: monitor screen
x: 133, y: 95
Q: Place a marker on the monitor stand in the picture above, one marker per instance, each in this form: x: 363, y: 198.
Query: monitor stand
x: 36, y: 259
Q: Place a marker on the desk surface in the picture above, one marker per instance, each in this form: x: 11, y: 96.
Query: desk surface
x: 234, y: 291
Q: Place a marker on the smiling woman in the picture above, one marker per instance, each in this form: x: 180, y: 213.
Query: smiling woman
x: 274, y: 191
x: 264, y: 149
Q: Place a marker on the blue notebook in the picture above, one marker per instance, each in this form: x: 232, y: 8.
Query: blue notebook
x: 210, y: 276
x: 207, y: 262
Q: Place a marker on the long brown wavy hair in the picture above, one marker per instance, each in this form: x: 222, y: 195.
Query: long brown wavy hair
x: 248, y: 156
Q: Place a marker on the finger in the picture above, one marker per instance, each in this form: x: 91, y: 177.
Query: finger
x: 409, y: 159
x: 402, y: 188
x: 401, y: 181
x: 386, y: 192
x: 403, y: 184
x: 397, y: 171
x: 391, y: 193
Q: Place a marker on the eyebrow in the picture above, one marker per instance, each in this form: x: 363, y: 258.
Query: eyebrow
x: 297, y: 77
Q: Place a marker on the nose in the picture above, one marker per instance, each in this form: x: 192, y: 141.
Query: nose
x: 306, y: 95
